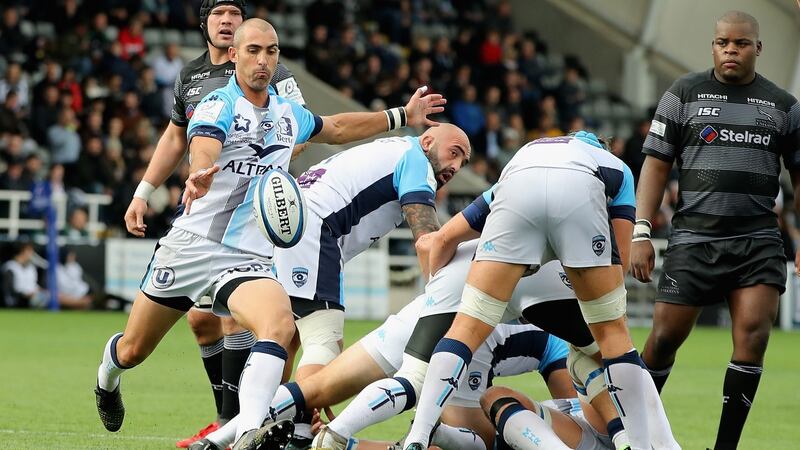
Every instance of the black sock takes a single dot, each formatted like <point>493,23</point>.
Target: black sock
<point>212,361</point>
<point>738,393</point>
<point>234,357</point>
<point>659,376</point>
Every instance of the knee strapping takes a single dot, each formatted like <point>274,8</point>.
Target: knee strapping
<point>320,336</point>
<point>413,370</point>
<point>482,306</point>
<point>610,306</point>
<point>586,374</point>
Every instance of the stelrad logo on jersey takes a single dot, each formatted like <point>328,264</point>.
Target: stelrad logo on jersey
<point>710,134</point>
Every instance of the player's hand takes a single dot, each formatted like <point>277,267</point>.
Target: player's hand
<point>197,185</point>
<point>419,108</point>
<point>643,260</point>
<point>134,217</point>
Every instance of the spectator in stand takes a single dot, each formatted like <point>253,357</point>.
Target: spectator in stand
<point>529,63</point>
<point>45,113</point>
<point>10,115</point>
<point>12,40</point>
<point>152,99</point>
<point>70,83</point>
<point>570,95</point>
<point>318,56</point>
<point>547,128</point>
<point>115,64</point>
<point>33,169</point>
<point>444,60</point>
<point>73,291</point>
<point>17,81</point>
<point>633,155</point>
<point>491,50</point>
<point>93,173</point>
<point>52,76</point>
<point>166,67</point>
<point>132,40</point>
<point>75,230</point>
<point>13,177</point>
<point>488,143</point>
<point>21,280</point>
<point>63,139</point>
<point>467,113</point>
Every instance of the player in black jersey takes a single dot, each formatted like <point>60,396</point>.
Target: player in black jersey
<point>224,345</point>
<point>727,129</point>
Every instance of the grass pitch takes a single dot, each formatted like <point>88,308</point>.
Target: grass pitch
<point>49,364</point>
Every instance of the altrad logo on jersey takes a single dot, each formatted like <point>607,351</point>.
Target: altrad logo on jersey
<point>710,134</point>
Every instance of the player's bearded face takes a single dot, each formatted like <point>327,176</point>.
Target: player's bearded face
<point>446,160</point>
<point>222,23</point>
<point>735,48</point>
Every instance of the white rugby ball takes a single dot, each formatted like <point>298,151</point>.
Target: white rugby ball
<point>279,208</point>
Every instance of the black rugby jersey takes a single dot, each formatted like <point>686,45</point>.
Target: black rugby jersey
<point>727,141</point>
<point>199,77</point>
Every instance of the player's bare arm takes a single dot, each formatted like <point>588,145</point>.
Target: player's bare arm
<point>348,127</point>
<point>205,152</point>
<point>168,154</point>
<point>623,230</point>
<point>439,247</point>
<point>796,185</point>
<point>423,220</point>
<point>650,193</point>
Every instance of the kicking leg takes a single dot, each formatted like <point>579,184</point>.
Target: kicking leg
<point>147,324</point>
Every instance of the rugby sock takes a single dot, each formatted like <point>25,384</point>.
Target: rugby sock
<point>212,361</point>
<point>617,434</point>
<point>288,403</point>
<point>625,385</point>
<point>448,365</point>
<point>523,429</point>
<point>225,435</point>
<point>659,376</point>
<point>260,379</point>
<point>445,436</point>
<point>110,369</point>
<point>376,403</point>
<point>738,393</point>
<point>234,356</point>
<point>660,431</point>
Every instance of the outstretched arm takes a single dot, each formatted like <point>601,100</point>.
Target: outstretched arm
<point>348,127</point>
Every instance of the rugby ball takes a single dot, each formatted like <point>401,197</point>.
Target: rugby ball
<point>279,208</point>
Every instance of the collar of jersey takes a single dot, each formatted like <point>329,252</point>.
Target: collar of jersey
<point>415,143</point>
<point>233,84</point>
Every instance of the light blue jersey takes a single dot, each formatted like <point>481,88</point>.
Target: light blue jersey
<point>254,140</point>
<point>359,193</point>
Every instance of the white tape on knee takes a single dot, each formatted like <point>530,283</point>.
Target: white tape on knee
<point>482,306</point>
<point>413,370</point>
<point>320,334</point>
<point>589,350</point>
<point>608,307</point>
<point>586,374</point>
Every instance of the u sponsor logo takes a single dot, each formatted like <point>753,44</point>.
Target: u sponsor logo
<point>163,277</point>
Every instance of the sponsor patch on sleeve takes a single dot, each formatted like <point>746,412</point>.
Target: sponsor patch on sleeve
<point>208,111</point>
<point>658,128</point>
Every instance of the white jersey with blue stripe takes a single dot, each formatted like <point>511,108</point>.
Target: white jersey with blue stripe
<point>359,192</point>
<point>579,154</point>
<point>254,140</point>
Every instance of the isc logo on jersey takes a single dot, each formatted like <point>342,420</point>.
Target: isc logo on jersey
<point>710,134</point>
<point>279,208</point>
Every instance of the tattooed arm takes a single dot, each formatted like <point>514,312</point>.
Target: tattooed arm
<point>423,220</point>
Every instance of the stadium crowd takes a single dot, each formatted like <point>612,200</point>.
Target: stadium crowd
<point>83,97</point>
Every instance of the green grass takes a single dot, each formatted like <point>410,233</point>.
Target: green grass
<point>49,363</point>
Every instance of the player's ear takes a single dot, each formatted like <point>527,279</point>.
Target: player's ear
<point>759,46</point>
<point>427,142</point>
<point>232,53</point>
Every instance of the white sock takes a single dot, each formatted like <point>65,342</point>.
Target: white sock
<point>260,379</point>
<point>288,403</point>
<point>660,432</point>
<point>523,429</point>
<point>626,387</point>
<point>226,434</point>
<point>110,369</point>
<point>452,438</point>
<point>378,402</point>
<point>446,371</point>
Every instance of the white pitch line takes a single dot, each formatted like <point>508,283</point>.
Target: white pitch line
<point>89,435</point>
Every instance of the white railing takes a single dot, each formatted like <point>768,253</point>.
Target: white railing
<point>15,223</point>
